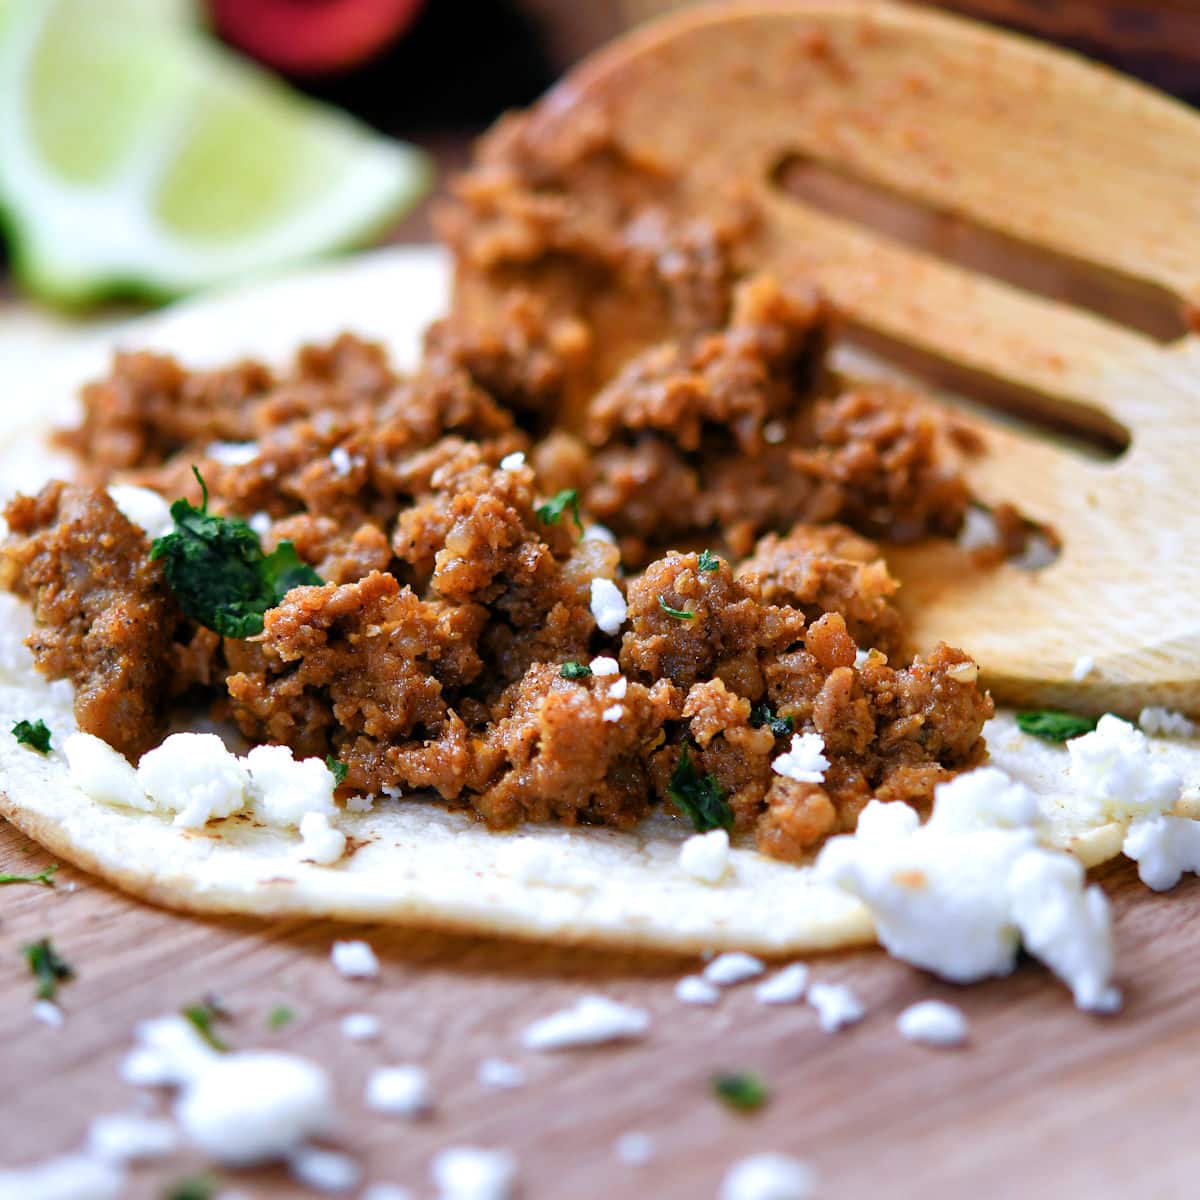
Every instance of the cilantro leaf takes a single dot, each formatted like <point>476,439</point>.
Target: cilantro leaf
<point>551,512</point>
<point>761,714</point>
<point>48,967</point>
<point>708,561</point>
<point>699,797</point>
<point>680,614</point>
<point>740,1090</point>
<point>1054,726</point>
<point>575,670</point>
<point>278,1017</point>
<point>203,1016</point>
<point>218,572</point>
<point>338,769</point>
<point>42,877</point>
<point>193,1187</point>
<point>34,734</point>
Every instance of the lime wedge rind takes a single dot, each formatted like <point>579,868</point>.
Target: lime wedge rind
<point>75,241</point>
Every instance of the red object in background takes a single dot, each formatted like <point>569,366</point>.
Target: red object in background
<point>312,37</point>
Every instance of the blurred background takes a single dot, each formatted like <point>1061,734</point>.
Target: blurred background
<point>432,73</point>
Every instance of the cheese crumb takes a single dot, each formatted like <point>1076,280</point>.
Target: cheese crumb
<point>467,1173</point>
<point>604,665</point>
<point>194,776</point>
<point>837,1006</point>
<point>1085,664</point>
<point>72,1177</point>
<point>590,1021</point>
<point>355,960</point>
<point>769,1177</point>
<point>130,1137</point>
<point>774,432</point>
<point>979,529</point>
<point>804,760</point>
<point>255,1107</point>
<point>343,464</point>
<point>386,1191</point>
<point>232,454</point>
<point>733,967</point>
<point>958,895</point>
<point>143,508</point>
<point>634,1149</point>
<point>608,605</point>
<point>102,774</point>
<point>260,522</point>
<point>360,1027</point>
<point>48,1013</point>
<point>619,689</point>
<point>705,856</point>
<point>1114,771</point>
<point>599,533</point>
<point>400,1091</point>
<point>613,713</point>
<point>933,1023</point>
<point>324,1170</point>
<point>510,462</point>
<point>784,987</point>
<point>1165,722</point>
<point>283,790</point>
<point>169,1051</point>
<point>500,1074</point>
<point>695,989</point>
<point>1163,848</point>
<point>320,842</point>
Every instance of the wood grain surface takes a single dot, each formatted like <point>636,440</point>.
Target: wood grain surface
<point>1043,1101</point>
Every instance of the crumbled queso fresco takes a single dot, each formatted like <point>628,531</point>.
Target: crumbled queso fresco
<point>592,1020</point>
<point>195,777</point>
<point>961,893</point>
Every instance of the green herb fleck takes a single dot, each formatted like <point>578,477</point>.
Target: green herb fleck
<point>42,877</point>
<point>337,768</point>
<point>218,572</point>
<point>551,512</point>
<point>1054,726</point>
<point>33,734</point>
<point>193,1187</point>
<point>278,1017</point>
<point>48,967</point>
<point>741,1090</point>
<point>680,614</point>
<point>575,670</point>
<point>700,797</point>
<point>761,714</point>
<point>708,561</point>
<point>203,1016</point>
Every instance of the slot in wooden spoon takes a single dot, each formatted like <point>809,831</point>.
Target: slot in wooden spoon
<point>1029,142</point>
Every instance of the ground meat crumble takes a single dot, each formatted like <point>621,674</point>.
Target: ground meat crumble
<point>430,661</point>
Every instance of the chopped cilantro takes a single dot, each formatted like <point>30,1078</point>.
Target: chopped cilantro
<point>203,1016</point>
<point>218,572</point>
<point>48,967</point>
<point>680,614</point>
<point>42,877</point>
<point>337,768</point>
<point>761,714</point>
<point>1054,726</point>
<point>193,1187</point>
<point>33,734</point>
<point>278,1017</point>
<point>575,670</point>
<point>740,1089</point>
<point>700,797</point>
<point>551,512</point>
<point>708,561</point>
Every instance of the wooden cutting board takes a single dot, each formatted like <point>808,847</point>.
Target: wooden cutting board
<point>1043,1101</point>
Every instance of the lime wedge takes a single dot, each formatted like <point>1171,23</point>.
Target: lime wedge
<point>139,158</point>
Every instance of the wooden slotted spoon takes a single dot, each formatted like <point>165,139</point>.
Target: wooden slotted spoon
<point>1018,139</point>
